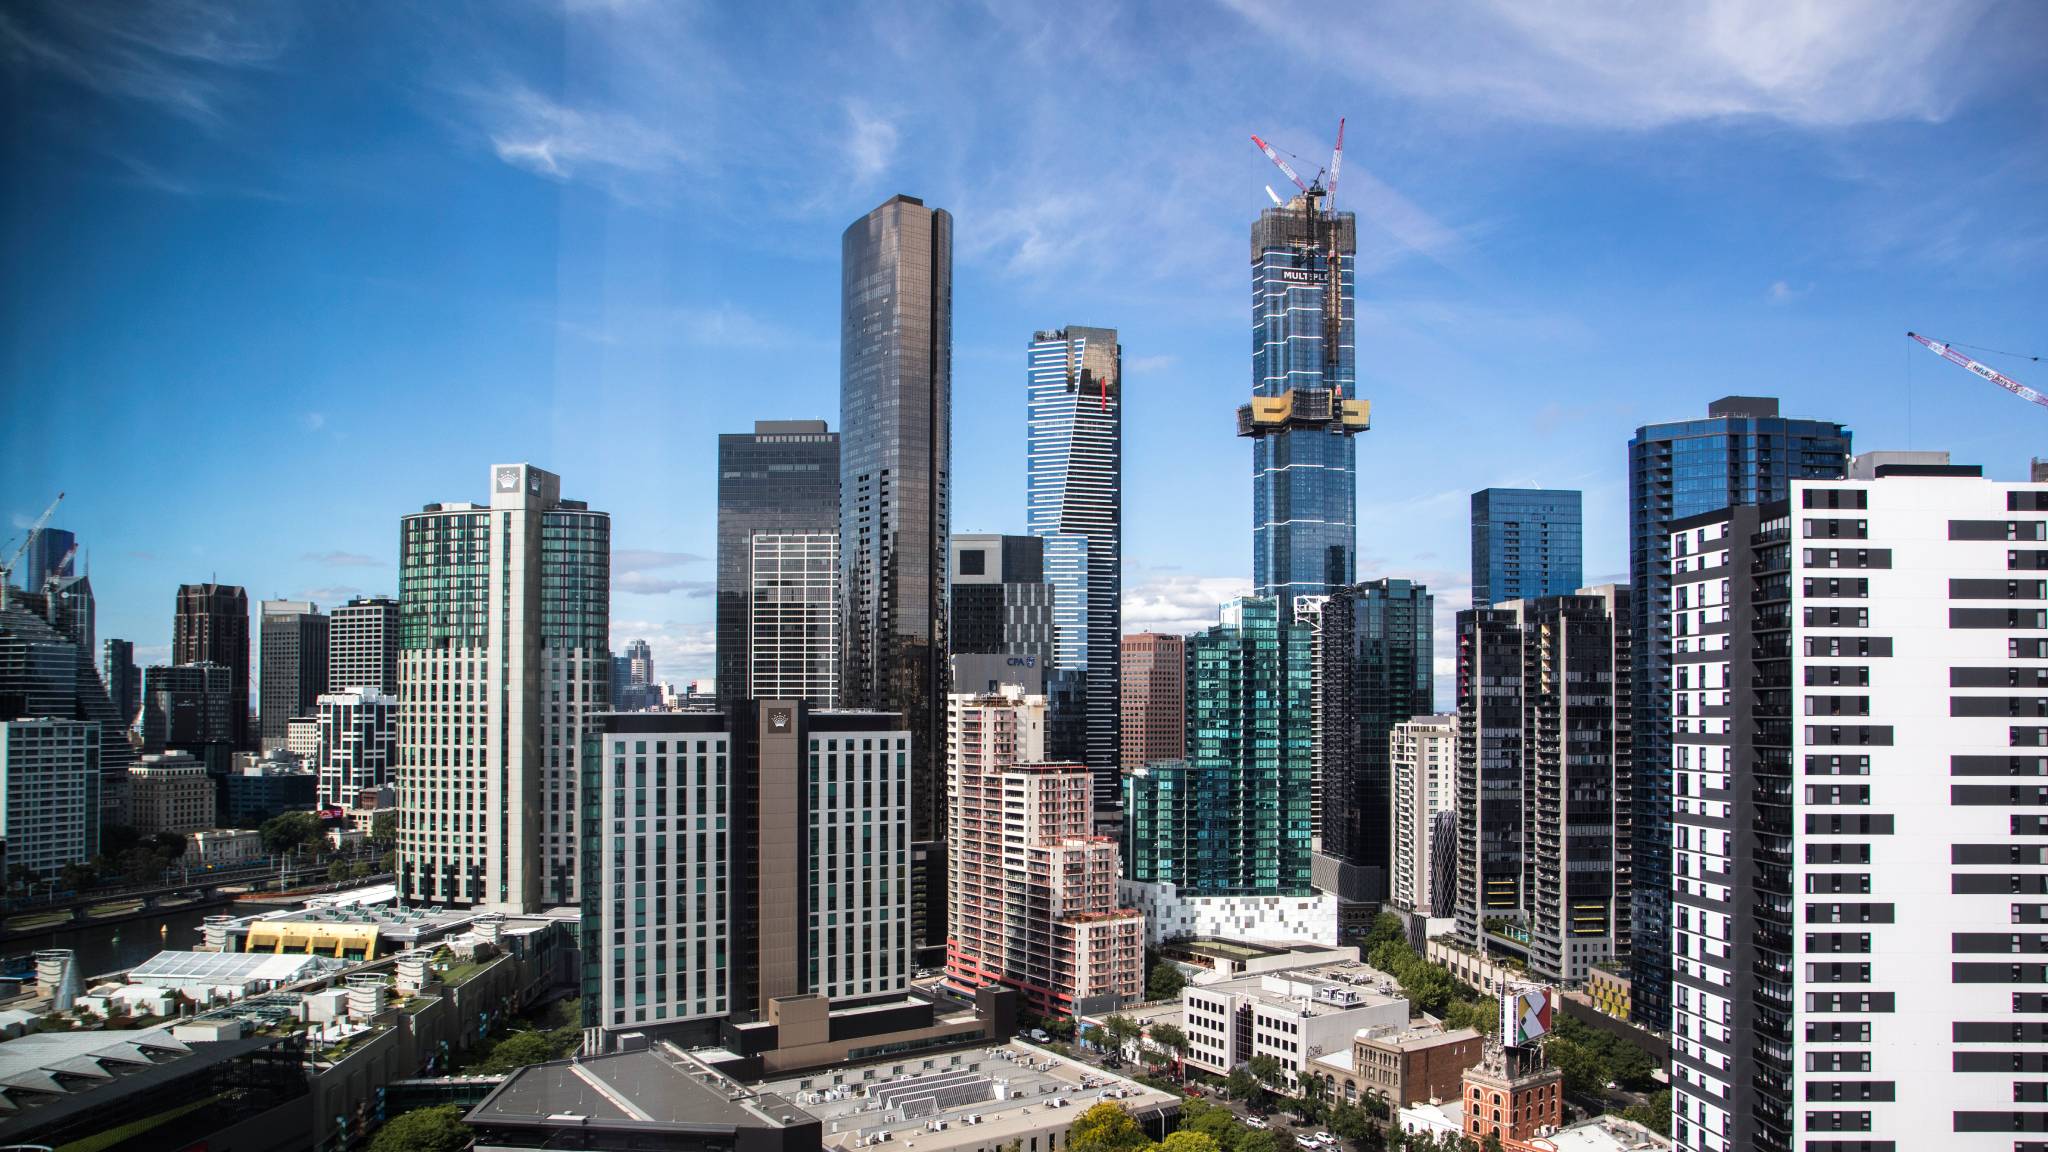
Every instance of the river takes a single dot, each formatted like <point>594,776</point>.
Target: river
<point>104,948</point>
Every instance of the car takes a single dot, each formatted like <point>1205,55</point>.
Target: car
<point>1255,1122</point>
<point>1039,1035</point>
<point>1306,1144</point>
<point>1325,1139</point>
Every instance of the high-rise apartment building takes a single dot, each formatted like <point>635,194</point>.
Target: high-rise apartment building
<point>1526,543</point>
<point>1858,685</point>
<point>362,645</point>
<point>504,619</point>
<point>778,842</point>
<point>1304,409</point>
<point>1154,698</point>
<point>1423,753</point>
<point>49,793</point>
<point>122,679</point>
<point>1032,899</point>
<point>1543,778</point>
<point>1742,453</point>
<point>783,477</point>
<point>896,444</point>
<point>1073,455</point>
<point>793,618</point>
<point>293,674</point>
<point>358,745</point>
<point>212,627</point>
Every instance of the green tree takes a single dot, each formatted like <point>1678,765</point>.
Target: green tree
<point>1269,1073</point>
<point>337,871</point>
<point>1655,1114</point>
<point>519,1050</point>
<point>1121,1028</point>
<point>1106,1127</point>
<point>1241,1084</point>
<point>1186,1141</point>
<point>1171,1039</point>
<point>1584,1072</point>
<point>1350,1123</point>
<point>1385,927</point>
<point>289,831</point>
<point>1165,982</point>
<point>1491,1143</point>
<point>1254,1140</point>
<point>1094,1036</point>
<point>423,1130</point>
<point>1215,1123</point>
<point>384,829</point>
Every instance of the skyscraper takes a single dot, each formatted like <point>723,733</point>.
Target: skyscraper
<point>504,618</point>
<point>1304,411</point>
<point>1154,698</point>
<point>1424,752</point>
<point>123,680</point>
<point>362,645</point>
<point>49,553</point>
<point>190,708</point>
<point>793,618</point>
<point>1544,817</point>
<point>358,743</point>
<point>46,669</point>
<point>212,626</point>
<point>1742,453</point>
<point>1073,457</point>
<point>1526,542</point>
<point>293,673</point>
<point>781,477</point>
<point>896,442</point>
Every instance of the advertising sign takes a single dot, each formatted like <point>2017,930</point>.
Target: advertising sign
<point>1524,1015</point>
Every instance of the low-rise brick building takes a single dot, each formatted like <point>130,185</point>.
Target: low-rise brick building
<point>1401,1065</point>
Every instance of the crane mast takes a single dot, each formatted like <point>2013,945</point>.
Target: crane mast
<point>1948,353</point>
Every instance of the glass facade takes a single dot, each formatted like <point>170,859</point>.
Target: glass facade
<point>1074,499</point>
<point>1742,453</point>
<point>213,625</point>
<point>1304,462</point>
<point>1526,542</point>
<point>781,477</point>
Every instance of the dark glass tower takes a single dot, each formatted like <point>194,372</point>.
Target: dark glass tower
<point>212,626</point>
<point>781,477</point>
<point>1304,410</point>
<point>1526,542</point>
<point>293,674</point>
<point>896,435</point>
<point>1742,453</point>
<point>122,677</point>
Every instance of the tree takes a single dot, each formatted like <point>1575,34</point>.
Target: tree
<point>1386,927</point>
<point>1122,1030</point>
<point>519,1050</point>
<point>1655,1114</point>
<point>1491,1143</point>
<point>437,1129</point>
<point>1269,1074</point>
<point>1253,1140</point>
<point>1094,1036</point>
<point>1241,1084</point>
<point>384,829</point>
<point>1215,1123</point>
<point>1186,1141</point>
<point>337,871</point>
<point>1584,1072</point>
<point>1170,1038</point>
<point>1106,1127</point>
<point>289,831</point>
<point>1165,982</point>
<point>1349,1123</point>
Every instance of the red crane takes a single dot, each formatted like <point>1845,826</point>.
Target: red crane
<point>1948,353</point>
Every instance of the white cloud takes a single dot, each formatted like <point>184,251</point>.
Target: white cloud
<point>1783,293</point>
<point>313,421</point>
<point>179,56</point>
<point>870,143</point>
<point>333,594</point>
<point>1172,602</point>
<point>1598,63</point>
<point>338,559</point>
<point>682,650</point>
<point>556,139</point>
<point>646,585</point>
<point>652,558</point>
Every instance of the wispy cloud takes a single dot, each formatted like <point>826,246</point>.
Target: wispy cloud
<point>683,650</point>
<point>1594,63</point>
<point>633,570</point>
<point>1781,292</point>
<point>342,559</point>
<point>652,558</point>
<point>179,56</point>
<point>553,138</point>
<point>1177,602</point>
<point>1149,365</point>
<point>645,584</point>
<point>870,141</point>
<point>331,594</point>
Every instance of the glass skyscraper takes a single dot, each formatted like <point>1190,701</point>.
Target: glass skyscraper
<point>1526,542</point>
<point>782,477</point>
<point>1742,453</point>
<point>1074,500</point>
<point>896,443</point>
<point>1304,410</point>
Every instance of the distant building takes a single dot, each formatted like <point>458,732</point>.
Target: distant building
<point>261,787</point>
<point>1424,754</point>
<point>212,626</point>
<point>362,645</point>
<point>1293,1017</point>
<point>223,847</point>
<point>1526,543</point>
<point>46,670</point>
<point>293,673</point>
<point>1513,1097</point>
<point>1400,1064</point>
<point>49,553</point>
<point>358,744</point>
<point>302,738</point>
<point>190,708</point>
<point>123,680</point>
<point>793,618</point>
<point>1154,698</point>
<point>781,477</point>
<point>49,794</point>
<point>633,687</point>
<point>170,792</point>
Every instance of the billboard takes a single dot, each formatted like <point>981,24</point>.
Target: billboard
<point>1524,1015</point>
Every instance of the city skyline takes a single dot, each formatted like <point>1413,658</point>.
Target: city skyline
<point>1501,290</point>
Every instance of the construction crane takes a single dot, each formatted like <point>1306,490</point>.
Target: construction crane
<point>56,570</point>
<point>1321,243</point>
<point>1948,353</point>
<point>27,542</point>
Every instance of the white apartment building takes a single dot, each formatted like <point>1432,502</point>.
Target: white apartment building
<point>49,792</point>
<point>793,617</point>
<point>504,658</point>
<point>362,644</point>
<point>358,744</point>
<point>1424,758</point>
<point>1293,1017</point>
<point>1860,751</point>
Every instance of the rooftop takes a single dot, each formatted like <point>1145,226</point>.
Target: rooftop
<point>229,968</point>
<point>1314,991</point>
<point>657,1088</point>
<point>1607,1134</point>
<point>1411,1039</point>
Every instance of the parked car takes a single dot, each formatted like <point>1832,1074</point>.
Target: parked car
<point>1255,1122</point>
<point>1325,1139</point>
<point>1307,1145</point>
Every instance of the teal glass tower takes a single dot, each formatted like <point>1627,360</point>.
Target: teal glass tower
<point>1234,818</point>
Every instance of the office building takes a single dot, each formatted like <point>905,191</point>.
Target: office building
<point>293,674</point>
<point>50,552</point>
<point>123,681</point>
<point>212,627</point>
<point>49,794</point>
<point>1744,452</point>
<point>504,620</point>
<point>1292,1016</point>
<point>781,477</point>
<point>778,841</point>
<point>190,708</point>
<point>1858,686</point>
<point>362,645</point>
<point>1031,890</point>
<point>633,689</point>
<point>1424,757</point>
<point>1219,844</point>
<point>1001,601</point>
<point>170,792</point>
<point>259,787</point>
<point>1543,778</point>
<point>1400,1064</point>
<point>1372,666</point>
<point>1526,543</point>
<point>1154,691</point>
<point>793,617</point>
<point>1073,457</point>
<point>1304,408</point>
<point>896,444</point>
<point>358,744</point>
<point>46,670</point>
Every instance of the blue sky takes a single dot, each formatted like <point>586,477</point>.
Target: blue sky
<point>276,275</point>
